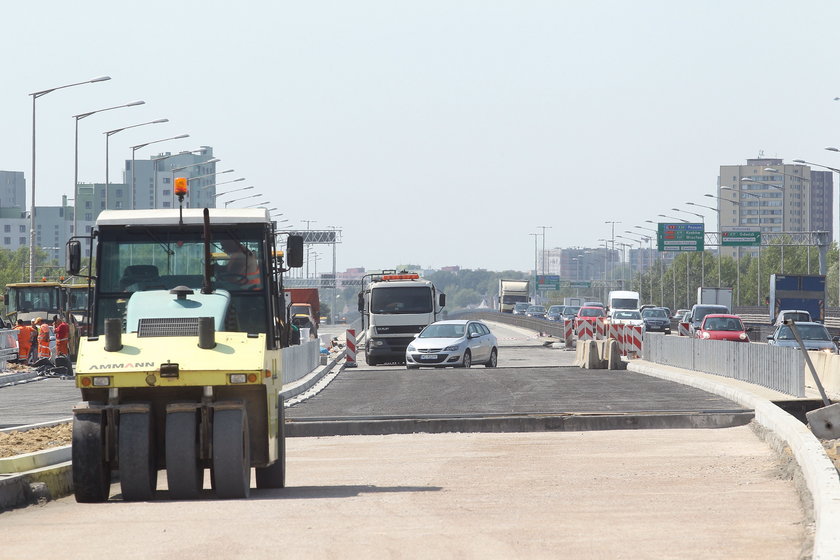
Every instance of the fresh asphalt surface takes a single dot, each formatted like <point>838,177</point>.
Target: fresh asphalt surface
<point>531,379</point>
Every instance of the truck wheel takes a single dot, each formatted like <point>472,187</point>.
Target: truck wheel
<point>231,454</point>
<point>274,476</point>
<point>494,359</point>
<point>184,474</point>
<point>138,466</point>
<point>91,473</point>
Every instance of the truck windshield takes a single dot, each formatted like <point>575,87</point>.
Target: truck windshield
<point>34,298</point>
<point>399,300</point>
<point>77,298</point>
<point>137,259</point>
<point>514,299</point>
<point>620,303</point>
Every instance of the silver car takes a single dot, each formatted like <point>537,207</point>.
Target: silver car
<point>814,335</point>
<point>453,344</point>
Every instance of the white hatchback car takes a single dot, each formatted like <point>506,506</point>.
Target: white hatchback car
<point>457,343</point>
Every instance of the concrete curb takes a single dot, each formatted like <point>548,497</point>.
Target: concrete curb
<point>36,486</point>
<point>304,384</point>
<point>819,472</point>
<point>14,378</point>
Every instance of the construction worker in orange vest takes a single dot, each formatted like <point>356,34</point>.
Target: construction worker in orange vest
<point>24,340</point>
<point>62,336</point>
<point>43,338</point>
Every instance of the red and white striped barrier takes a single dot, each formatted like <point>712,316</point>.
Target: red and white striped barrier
<point>350,349</point>
<point>600,328</point>
<point>568,332</point>
<point>632,347</point>
<point>682,329</point>
<point>616,332</point>
<point>585,329</point>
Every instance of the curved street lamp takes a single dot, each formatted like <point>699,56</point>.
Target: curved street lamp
<point>35,95</point>
<point>137,147</point>
<point>79,117</point>
<point>108,134</point>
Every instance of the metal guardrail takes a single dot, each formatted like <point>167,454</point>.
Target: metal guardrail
<point>8,347</point>
<point>553,328</point>
<point>777,368</point>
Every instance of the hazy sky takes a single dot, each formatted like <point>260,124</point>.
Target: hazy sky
<point>431,132</point>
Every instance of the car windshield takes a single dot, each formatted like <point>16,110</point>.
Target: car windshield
<point>555,309</point>
<point>570,310</point>
<point>521,306</point>
<point>723,324</point>
<point>796,317</point>
<point>443,331</point>
<point>807,332</point>
<point>591,312</point>
<point>627,315</point>
<point>536,309</point>
<point>655,313</point>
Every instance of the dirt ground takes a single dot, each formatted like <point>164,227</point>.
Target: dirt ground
<point>38,439</point>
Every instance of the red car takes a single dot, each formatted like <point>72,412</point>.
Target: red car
<point>589,312</point>
<point>718,326</point>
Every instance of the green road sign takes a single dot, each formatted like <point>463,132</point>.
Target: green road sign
<point>740,238</point>
<point>580,284</point>
<point>548,282</point>
<point>680,237</point>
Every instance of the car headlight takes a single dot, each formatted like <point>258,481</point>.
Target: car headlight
<point>828,350</point>
<point>453,348</point>
<point>706,335</point>
<point>743,336</point>
<point>411,348</point>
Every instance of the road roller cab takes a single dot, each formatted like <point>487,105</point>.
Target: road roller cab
<point>181,369</point>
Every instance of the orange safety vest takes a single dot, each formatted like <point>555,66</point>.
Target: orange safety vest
<point>24,341</point>
<point>44,341</point>
<point>62,337</point>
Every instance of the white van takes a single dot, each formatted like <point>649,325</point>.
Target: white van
<point>623,299</point>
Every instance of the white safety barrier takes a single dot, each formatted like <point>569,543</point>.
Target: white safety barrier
<point>350,349</point>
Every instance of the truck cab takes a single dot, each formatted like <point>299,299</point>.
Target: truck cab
<point>395,308</point>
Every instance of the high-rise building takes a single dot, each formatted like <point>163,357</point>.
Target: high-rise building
<point>768,195</point>
<point>12,189</point>
<point>153,179</point>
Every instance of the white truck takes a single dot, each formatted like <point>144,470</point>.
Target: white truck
<point>573,301</point>
<point>395,307</point>
<point>715,296</point>
<point>512,292</point>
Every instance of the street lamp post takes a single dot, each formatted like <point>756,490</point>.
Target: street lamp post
<point>659,261</point>
<point>35,95</point>
<point>229,202</point>
<point>108,134</point>
<point>258,204</point>
<point>720,235</point>
<point>758,273</point>
<point>612,238</point>
<point>79,117</point>
<point>535,235</point>
<point>218,194</point>
<point>143,145</point>
<point>543,228</point>
<point>703,252</point>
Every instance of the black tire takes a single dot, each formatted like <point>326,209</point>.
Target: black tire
<point>91,472</point>
<point>231,454</point>
<point>371,361</point>
<point>138,465</point>
<point>274,476</point>
<point>184,474</point>
<point>494,359</point>
<point>467,361</point>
